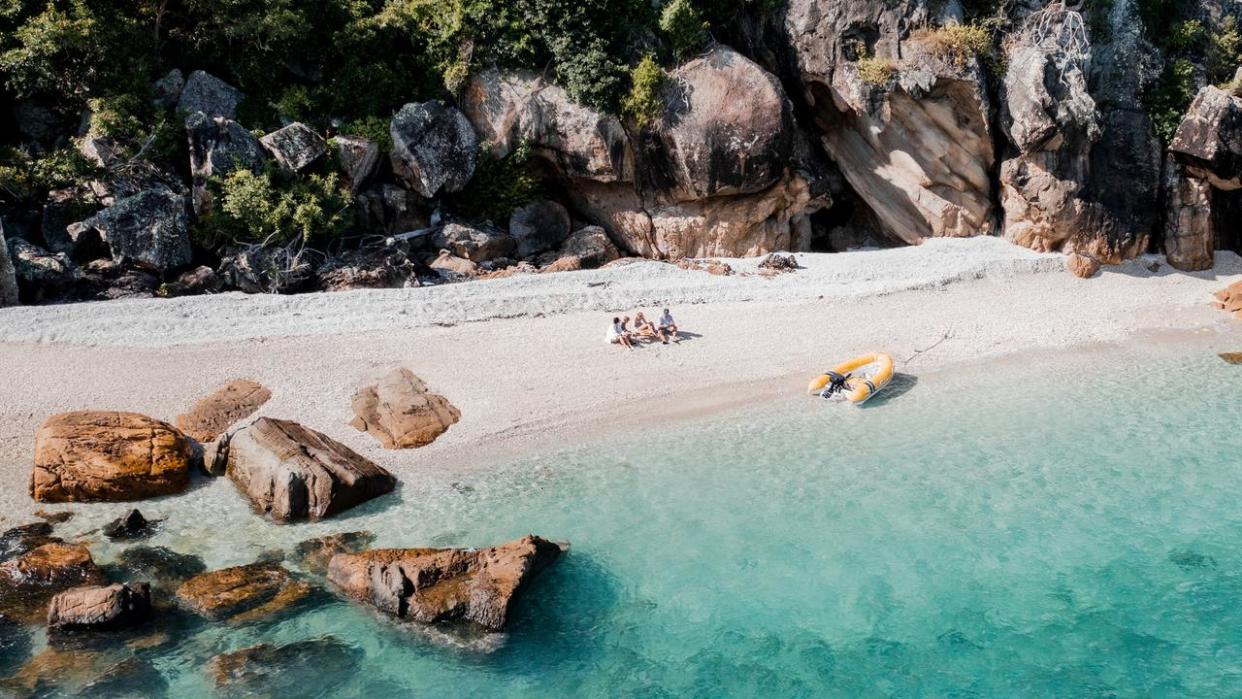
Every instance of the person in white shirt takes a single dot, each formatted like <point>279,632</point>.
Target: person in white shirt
<point>618,335</point>
<point>668,327</point>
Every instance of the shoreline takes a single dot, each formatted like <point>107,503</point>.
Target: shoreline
<point>545,379</point>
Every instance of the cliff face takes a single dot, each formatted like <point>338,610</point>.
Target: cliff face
<point>821,124</point>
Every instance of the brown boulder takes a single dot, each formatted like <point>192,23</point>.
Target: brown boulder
<point>111,606</point>
<point>401,413</point>
<point>28,581</point>
<point>94,456</point>
<point>211,416</point>
<point>441,585</point>
<point>1082,266</point>
<point>1231,357</point>
<point>242,593</point>
<point>290,472</point>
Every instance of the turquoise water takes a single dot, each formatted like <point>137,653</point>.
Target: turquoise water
<point>1068,526</point>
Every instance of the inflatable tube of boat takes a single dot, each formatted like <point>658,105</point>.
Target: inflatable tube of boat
<point>868,374</point>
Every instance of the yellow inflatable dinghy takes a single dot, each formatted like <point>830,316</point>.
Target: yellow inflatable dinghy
<point>856,380</point>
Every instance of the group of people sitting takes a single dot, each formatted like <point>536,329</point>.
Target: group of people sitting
<point>619,333</point>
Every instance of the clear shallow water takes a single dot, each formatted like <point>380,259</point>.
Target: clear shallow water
<point>1064,528</point>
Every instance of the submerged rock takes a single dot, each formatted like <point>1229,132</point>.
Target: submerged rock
<point>293,473</point>
<point>313,554</point>
<point>243,593</point>
<point>162,566</point>
<point>101,456</point>
<point>211,417</point>
<point>131,525</point>
<point>444,585</point>
<point>434,148</point>
<point>401,413</point>
<point>28,581</point>
<point>287,670</point>
<point>28,537</point>
<point>99,607</point>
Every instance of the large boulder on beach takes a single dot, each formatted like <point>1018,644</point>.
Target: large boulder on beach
<point>204,92</point>
<point>1189,236</point>
<point>477,586</point>
<point>8,275</point>
<point>39,269</point>
<point>100,607</point>
<point>588,247</point>
<point>243,593</point>
<point>151,228</point>
<point>295,147</point>
<point>292,473</point>
<point>401,412</point>
<point>210,417</point>
<point>477,243</point>
<point>434,148</point>
<point>268,670</point>
<point>538,227</point>
<point>104,456</point>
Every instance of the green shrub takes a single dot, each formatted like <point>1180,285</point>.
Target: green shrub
<point>876,71</point>
<point>375,128</point>
<point>643,104</point>
<point>957,44</point>
<point>499,185</point>
<point>271,208</point>
<point>684,27</point>
<point>1224,51</point>
<point>26,177</point>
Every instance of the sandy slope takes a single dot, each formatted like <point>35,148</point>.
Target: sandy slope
<point>538,370</point>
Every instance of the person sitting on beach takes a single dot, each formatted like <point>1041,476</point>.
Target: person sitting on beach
<point>647,329</point>
<point>668,327</point>
<point>618,335</point>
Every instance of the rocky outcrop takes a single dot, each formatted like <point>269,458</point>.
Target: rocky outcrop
<point>268,670</point>
<point>100,456</point>
<point>28,581</point>
<point>151,228</point>
<point>100,607</point>
<point>1208,142</point>
<point>434,148</point>
<point>357,158</point>
<point>401,413</point>
<point>1051,118</point>
<point>444,585</point>
<point>538,227</point>
<point>511,108</point>
<point>295,147</point>
<point>367,268</point>
<point>474,243</point>
<point>243,593</point>
<point>204,92</point>
<point>293,473</point>
<point>916,147</point>
<point>1188,238</point>
<point>8,276</point>
<point>210,417</point>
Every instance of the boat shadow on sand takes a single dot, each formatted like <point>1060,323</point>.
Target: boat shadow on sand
<point>900,385</point>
